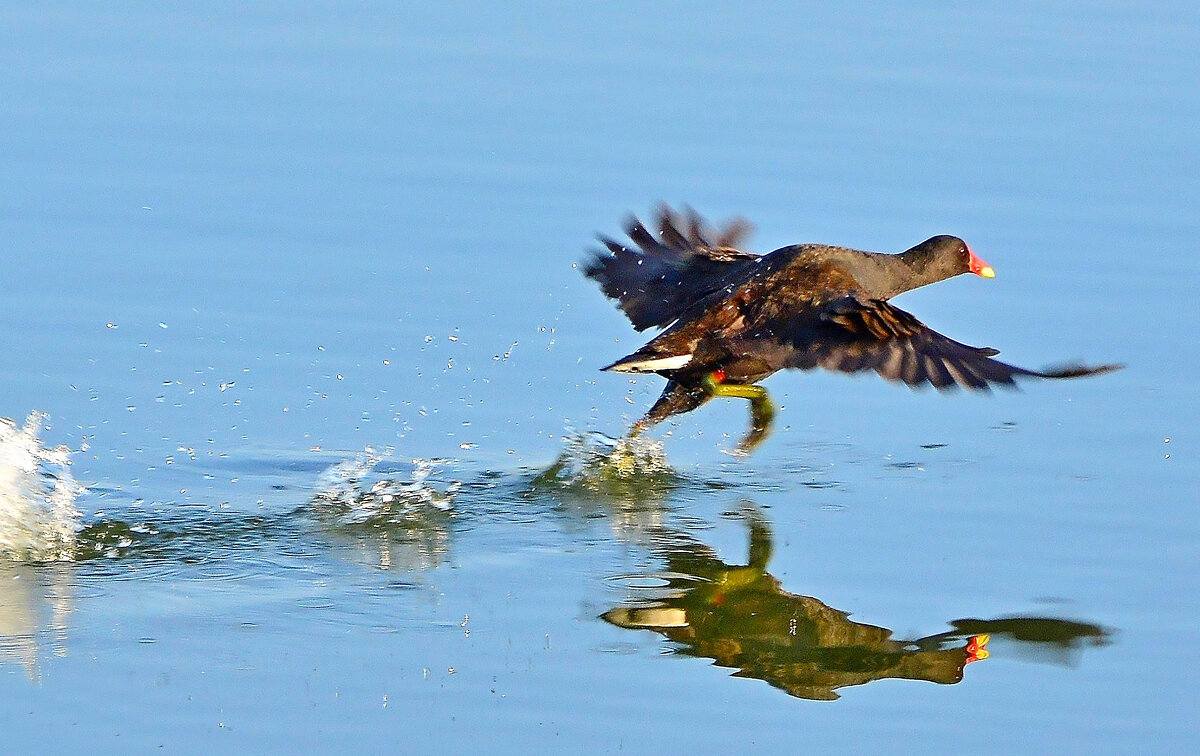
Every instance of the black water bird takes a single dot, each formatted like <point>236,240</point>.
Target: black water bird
<point>733,318</point>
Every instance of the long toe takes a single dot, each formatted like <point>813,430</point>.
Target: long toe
<point>762,415</point>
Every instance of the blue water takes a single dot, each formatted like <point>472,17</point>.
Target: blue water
<point>244,245</point>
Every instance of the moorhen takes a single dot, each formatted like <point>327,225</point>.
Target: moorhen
<point>732,318</point>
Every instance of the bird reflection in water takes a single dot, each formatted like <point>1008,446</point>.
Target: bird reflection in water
<point>741,618</point>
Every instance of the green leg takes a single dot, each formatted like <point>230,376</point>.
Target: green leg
<point>676,399</point>
<point>761,409</point>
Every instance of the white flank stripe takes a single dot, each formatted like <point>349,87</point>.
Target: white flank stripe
<point>651,366</point>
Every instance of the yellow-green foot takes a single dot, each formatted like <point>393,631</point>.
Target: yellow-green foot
<point>762,412</point>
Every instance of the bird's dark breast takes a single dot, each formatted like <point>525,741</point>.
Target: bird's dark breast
<point>743,357</point>
<point>748,369</point>
<point>738,368</point>
<point>737,333</point>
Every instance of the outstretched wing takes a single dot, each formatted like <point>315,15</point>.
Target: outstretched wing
<point>854,334</point>
<point>667,272</point>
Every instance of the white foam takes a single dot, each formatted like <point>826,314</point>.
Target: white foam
<point>593,459</point>
<point>38,518</point>
<point>355,487</point>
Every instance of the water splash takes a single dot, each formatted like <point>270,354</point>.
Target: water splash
<point>385,522</point>
<point>348,488</point>
<point>596,462</point>
<point>38,518</point>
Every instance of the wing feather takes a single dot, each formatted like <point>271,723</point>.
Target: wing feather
<point>661,275</point>
<point>855,334</point>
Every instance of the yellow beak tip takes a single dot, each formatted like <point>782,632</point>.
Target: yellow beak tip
<point>987,272</point>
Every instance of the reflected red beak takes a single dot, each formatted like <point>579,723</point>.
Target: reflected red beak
<point>975,648</point>
<point>979,267</point>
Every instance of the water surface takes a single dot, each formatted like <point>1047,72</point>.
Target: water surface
<point>297,288</point>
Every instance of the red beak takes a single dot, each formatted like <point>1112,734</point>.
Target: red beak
<point>979,267</point>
